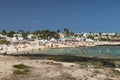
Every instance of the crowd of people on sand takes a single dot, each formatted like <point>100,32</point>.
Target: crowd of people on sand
<point>33,46</point>
<point>36,46</point>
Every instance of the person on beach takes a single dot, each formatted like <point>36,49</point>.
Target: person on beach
<point>16,49</point>
<point>39,49</point>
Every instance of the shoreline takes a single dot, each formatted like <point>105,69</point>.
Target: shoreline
<point>35,54</point>
<point>108,62</point>
<point>35,49</point>
<point>104,43</point>
<point>26,48</point>
<point>17,49</point>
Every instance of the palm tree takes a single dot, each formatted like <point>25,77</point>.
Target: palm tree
<point>75,35</point>
<point>116,34</point>
<point>24,34</point>
<point>10,34</point>
<point>71,33</point>
<point>100,34</point>
<point>4,32</point>
<point>46,33</point>
<point>66,32</point>
<point>58,31</point>
<point>21,31</point>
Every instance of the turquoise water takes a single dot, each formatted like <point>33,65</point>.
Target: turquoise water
<point>96,51</point>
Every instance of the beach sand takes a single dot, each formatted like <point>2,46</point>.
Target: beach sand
<point>27,48</point>
<point>52,70</point>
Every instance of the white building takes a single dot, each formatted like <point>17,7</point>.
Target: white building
<point>3,36</point>
<point>17,37</point>
<point>30,36</point>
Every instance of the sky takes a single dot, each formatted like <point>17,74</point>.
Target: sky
<point>76,15</point>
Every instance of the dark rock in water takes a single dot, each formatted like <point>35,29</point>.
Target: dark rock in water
<point>106,62</point>
<point>108,45</point>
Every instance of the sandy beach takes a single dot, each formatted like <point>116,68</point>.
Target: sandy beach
<point>27,48</point>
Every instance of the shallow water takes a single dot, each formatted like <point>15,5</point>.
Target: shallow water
<point>96,51</point>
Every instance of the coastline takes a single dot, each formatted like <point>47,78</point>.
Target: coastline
<point>107,61</point>
<point>45,69</point>
<point>27,48</point>
<point>104,43</point>
<point>64,67</point>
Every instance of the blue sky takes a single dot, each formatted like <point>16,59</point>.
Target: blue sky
<point>76,15</point>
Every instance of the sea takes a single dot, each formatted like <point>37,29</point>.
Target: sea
<point>94,51</point>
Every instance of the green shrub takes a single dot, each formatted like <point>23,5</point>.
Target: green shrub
<point>18,71</point>
<point>20,66</point>
<point>97,65</point>
<point>3,41</point>
<point>21,69</point>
